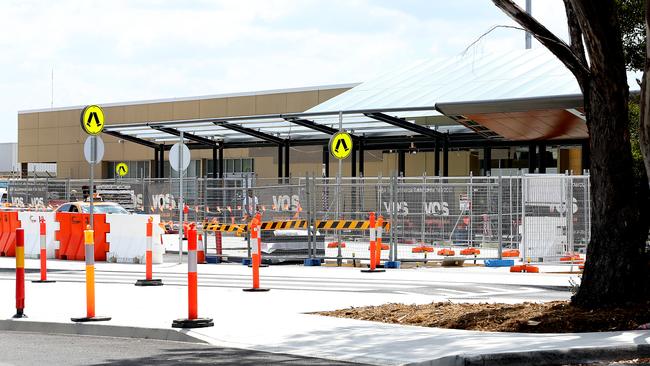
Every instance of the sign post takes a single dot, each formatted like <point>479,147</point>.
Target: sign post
<point>179,159</point>
<point>92,122</point>
<point>340,147</point>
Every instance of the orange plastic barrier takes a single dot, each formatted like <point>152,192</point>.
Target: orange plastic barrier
<point>422,249</point>
<point>470,251</point>
<point>71,235</point>
<point>575,258</point>
<point>510,253</point>
<point>446,252</point>
<point>10,223</point>
<point>524,268</point>
<point>335,244</point>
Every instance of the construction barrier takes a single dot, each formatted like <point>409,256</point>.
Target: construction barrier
<point>31,222</point>
<point>71,235</point>
<point>20,273</point>
<point>89,253</point>
<point>525,268</point>
<point>127,247</point>
<point>43,248</point>
<point>446,252</point>
<point>9,223</point>
<point>256,255</point>
<point>294,224</point>
<point>373,243</point>
<point>192,321</point>
<point>149,281</point>
<point>470,251</point>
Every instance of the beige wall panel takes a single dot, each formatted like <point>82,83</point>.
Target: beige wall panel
<point>136,113</point>
<point>236,153</point>
<point>48,153</point>
<point>160,112</point>
<point>575,160</point>
<point>241,106</point>
<point>71,135</point>
<point>300,102</point>
<point>213,108</point>
<point>271,103</point>
<point>114,115</point>
<point>71,118</point>
<point>68,169</point>
<point>186,110</point>
<point>28,120</point>
<point>136,152</point>
<point>71,152</point>
<point>27,154</point>
<point>266,167</point>
<point>458,163</point>
<point>114,151</point>
<point>48,119</point>
<point>48,136</point>
<point>27,137</point>
<point>324,95</point>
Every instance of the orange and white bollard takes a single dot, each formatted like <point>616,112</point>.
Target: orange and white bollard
<point>192,321</point>
<point>373,246</point>
<point>378,243</point>
<point>200,255</point>
<point>43,255</point>
<point>89,240</point>
<point>20,273</point>
<point>149,280</point>
<point>256,255</point>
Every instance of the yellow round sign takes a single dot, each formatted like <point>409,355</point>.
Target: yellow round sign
<point>122,169</point>
<point>341,145</point>
<point>92,120</point>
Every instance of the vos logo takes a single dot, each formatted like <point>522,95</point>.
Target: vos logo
<point>285,202</point>
<point>163,201</point>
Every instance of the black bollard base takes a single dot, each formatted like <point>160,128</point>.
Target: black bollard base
<point>43,281</point>
<point>152,282</point>
<point>19,314</point>
<point>91,319</point>
<point>193,323</point>
<point>256,289</point>
<point>372,270</point>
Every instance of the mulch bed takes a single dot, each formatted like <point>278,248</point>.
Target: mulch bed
<point>550,317</point>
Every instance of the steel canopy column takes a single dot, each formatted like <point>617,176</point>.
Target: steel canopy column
<point>161,162</point>
<point>361,159</point>
<point>586,155</point>
<point>532,159</point>
<point>326,161</point>
<point>436,166</point>
<point>287,148</point>
<point>401,163</point>
<point>279,161</point>
<point>215,162</point>
<point>541,158</point>
<point>154,168</point>
<point>445,157</point>
<point>487,160</point>
<point>220,161</point>
<point>353,162</point>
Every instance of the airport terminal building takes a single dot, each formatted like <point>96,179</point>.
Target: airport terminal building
<point>468,115</point>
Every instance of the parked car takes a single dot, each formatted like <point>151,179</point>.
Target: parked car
<point>99,207</point>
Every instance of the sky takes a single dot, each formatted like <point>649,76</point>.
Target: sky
<point>67,53</point>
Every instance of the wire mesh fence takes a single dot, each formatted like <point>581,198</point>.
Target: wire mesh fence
<point>545,217</point>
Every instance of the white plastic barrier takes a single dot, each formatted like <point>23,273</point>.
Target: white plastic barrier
<point>127,238</point>
<point>30,221</point>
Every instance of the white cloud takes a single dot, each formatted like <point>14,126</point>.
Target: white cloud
<point>109,51</point>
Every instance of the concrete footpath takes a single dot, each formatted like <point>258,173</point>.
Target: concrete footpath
<point>278,321</point>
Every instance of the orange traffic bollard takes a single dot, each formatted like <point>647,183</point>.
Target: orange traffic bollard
<point>149,280</point>
<point>20,274</point>
<point>192,321</point>
<point>89,240</point>
<point>200,255</point>
<point>373,246</point>
<point>378,243</point>
<point>258,217</point>
<point>256,255</point>
<point>43,255</point>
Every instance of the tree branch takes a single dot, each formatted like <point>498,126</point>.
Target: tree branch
<point>560,49</point>
<point>575,32</point>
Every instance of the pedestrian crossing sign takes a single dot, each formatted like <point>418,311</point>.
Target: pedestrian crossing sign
<point>122,169</point>
<point>341,145</point>
<point>92,120</point>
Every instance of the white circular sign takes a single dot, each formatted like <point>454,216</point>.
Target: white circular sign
<point>93,149</point>
<point>179,157</point>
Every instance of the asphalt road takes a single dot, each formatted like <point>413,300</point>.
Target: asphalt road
<point>32,349</point>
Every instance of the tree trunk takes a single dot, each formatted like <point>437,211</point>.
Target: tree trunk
<point>616,270</point>
<point>644,124</point>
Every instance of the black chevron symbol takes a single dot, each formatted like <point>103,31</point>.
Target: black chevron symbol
<point>339,143</point>
<point>93,115</point>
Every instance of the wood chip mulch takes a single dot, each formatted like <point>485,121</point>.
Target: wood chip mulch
<point>550,317</point>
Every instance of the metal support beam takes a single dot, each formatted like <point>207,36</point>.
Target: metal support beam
<point>154,169</point>
<point>215,162</point>
<point>401,163</point>
<point>436,157</point>
<point>186,135</point>
<point>132,139</point>
<point>445,156</point>
<point>541,158</point>
<point>362,161</point>
<point>532,157</point>
<point>221,171</point>
<point>353,161</point>
<point>249,131</point>
<point>280,154</point>
<point>326,161</point>
<point>487,160</point>
<point>402,123</point>
<point>287,157</point>
<point>161,161</point>
<point>313,125</point>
